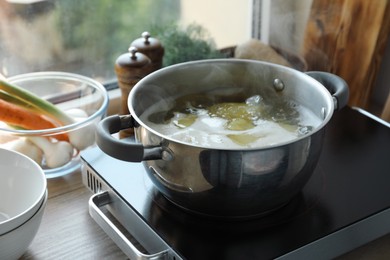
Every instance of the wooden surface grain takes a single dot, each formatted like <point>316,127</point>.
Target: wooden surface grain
<point>67,230</point>
<point>348,38</point>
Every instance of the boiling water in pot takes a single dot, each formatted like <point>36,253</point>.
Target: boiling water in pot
<point>251,123</point>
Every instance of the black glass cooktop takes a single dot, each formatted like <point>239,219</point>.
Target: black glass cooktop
<point>345,204</point>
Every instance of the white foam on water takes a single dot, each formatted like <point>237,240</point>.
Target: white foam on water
<point>208,131</point>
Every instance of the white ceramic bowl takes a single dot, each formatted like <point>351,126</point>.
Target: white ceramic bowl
<point>84,99</point>
<point>15,243</point>
<point>22,189</point>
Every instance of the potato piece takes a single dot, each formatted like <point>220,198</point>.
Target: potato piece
<point>184,120</point>
<point>239,124</point>
<point>289,127</point>
<point>243,139</point>
<point>231,111</point>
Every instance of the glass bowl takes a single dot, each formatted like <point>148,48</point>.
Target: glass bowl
<point>83,98</point>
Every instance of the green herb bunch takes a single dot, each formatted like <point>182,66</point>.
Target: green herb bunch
<point>188,44</point>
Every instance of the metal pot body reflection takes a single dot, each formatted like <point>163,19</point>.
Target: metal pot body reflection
<point>234,183</point>
<point>229,182</point>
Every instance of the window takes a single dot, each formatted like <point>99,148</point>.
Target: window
<point>86,36</point>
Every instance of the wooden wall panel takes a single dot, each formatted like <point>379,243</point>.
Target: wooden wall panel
<point>348,38</point>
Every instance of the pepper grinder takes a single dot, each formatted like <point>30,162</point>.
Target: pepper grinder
<point>152,48</point>
<point>130,68</point>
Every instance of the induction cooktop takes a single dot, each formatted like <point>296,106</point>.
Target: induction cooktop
<point>345,204</point>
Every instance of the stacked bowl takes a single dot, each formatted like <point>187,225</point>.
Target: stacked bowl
<point>23,197</point>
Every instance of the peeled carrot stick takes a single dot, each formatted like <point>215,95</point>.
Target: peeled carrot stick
<point>15,115</point>
<point>21,117</point>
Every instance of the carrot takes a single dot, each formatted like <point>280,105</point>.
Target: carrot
<point>23,118</point>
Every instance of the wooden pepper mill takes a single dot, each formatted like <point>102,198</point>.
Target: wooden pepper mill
<point>130,68</point>
<point>152,48</point>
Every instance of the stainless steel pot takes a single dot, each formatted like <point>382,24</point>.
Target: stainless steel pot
<point>227,183</point>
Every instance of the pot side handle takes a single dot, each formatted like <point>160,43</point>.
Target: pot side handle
<point>120,149</point>
<point>336,86</point>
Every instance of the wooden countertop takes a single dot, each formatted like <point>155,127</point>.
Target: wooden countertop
<point>68,232</point>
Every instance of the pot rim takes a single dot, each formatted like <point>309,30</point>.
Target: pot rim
<point>318,86</point>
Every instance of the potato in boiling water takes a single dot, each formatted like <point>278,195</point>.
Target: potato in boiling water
<point>231,122</point>
<point>184,120</point>
<point>239,124</point>
<point>242,139</point>
<point>231,111</point>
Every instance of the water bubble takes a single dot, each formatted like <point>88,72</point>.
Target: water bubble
<point>304,129</point>
<point>254,100</point>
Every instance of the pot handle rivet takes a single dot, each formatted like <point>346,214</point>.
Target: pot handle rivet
<point>278,84</point>
<point>167,155</point>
